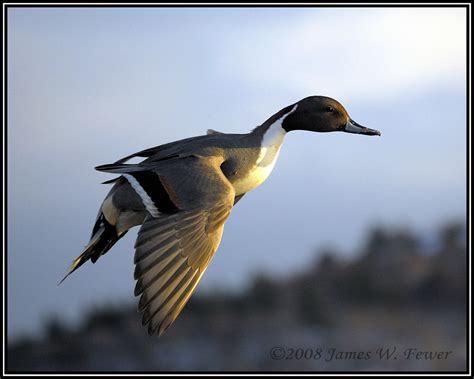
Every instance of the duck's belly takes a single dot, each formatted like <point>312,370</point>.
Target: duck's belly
<point>256,175</point>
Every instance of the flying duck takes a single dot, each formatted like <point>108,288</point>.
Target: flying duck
<point>182,193</point>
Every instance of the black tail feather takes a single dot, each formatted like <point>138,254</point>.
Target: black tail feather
<point>104,236</point>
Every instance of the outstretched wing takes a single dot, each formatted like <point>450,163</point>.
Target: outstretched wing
<point>174,249</point>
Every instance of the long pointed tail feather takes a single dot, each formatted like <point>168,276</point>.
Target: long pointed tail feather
<point>103,238</point>
<point>86,254</point>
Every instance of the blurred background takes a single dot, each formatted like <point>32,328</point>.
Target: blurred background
<point>353,243</point>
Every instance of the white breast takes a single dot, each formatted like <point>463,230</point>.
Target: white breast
<point>270,148</point>
<point>259,172</point>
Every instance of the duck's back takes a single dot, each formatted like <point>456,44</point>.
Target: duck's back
<point>209,144</point>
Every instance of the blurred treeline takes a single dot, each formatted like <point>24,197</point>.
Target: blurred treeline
<point>398,291</point>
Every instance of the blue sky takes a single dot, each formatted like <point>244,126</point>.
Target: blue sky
<point>88,86</point>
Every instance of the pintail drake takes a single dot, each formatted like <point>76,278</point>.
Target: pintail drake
<point>182,193</point>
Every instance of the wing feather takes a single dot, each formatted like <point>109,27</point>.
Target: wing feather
<point>174,250</point>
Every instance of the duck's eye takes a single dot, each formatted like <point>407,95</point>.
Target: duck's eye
<point>329,108</point>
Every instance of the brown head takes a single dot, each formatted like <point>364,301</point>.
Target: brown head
<point>321,114</point>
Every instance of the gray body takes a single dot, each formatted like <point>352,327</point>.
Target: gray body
<point>239,153</point>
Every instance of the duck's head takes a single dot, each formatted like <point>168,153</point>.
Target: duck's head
<point>321,114</point>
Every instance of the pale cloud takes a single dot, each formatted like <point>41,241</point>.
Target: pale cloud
<point>358,53</point>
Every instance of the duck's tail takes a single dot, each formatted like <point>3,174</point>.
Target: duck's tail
<point>103,238</point>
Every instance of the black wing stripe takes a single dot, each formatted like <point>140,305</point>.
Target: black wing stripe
<point>151,184</point>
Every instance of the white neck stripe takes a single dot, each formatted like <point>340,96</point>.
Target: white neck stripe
<point>276,131</point>
<point>272,140</point>
<point>279,122</point>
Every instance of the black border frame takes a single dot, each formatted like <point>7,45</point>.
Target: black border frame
<point>6,6</point>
